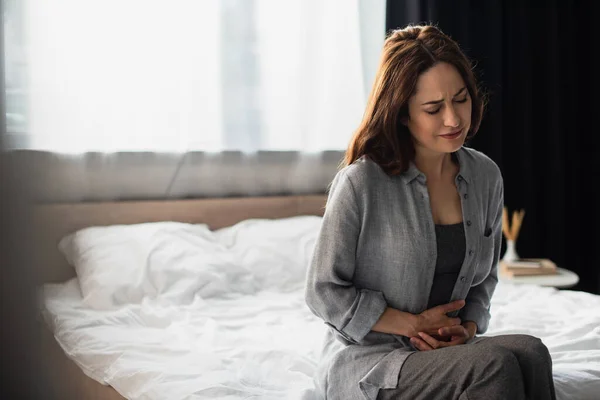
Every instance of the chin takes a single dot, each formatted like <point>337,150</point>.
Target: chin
<point>451,147</point>
<point>443,148</point>
<point>456,144</point>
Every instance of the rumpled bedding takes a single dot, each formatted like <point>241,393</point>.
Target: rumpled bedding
<point>176,311</point>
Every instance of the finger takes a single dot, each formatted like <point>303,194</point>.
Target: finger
<point>440,337</point>
<point>429,340</point>
<point>420,344</point>
<point>456,330</point>
<point>455,305</point>
<point>456,342</point>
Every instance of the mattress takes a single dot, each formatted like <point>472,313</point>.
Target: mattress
<point>265,343</point>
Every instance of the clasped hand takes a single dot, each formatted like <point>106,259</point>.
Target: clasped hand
<point>436,330</point>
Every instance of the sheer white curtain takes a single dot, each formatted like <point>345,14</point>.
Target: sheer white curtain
<point>117,75</point>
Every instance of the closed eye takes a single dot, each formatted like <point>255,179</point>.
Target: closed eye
<point>433,112</point>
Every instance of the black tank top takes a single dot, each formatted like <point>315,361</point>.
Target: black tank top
<point>451,247</point>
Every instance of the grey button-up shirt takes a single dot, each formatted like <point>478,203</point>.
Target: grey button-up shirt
<point>377,248</point>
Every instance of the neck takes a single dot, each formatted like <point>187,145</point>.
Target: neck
<point>435,166</point>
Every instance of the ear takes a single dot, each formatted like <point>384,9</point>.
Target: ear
<point>404,121</point>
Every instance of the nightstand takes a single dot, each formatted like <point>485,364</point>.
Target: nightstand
<point>562,279</point>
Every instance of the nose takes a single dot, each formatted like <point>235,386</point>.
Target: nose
<point>451,118</point>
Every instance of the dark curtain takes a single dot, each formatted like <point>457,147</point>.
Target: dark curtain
<point>536,61</point>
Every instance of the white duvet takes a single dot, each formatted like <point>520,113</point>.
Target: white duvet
<point>176,311</point>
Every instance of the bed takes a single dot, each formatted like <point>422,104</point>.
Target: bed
<point>219,313</point>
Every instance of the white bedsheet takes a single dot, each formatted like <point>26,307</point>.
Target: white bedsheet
<point>265,344</point>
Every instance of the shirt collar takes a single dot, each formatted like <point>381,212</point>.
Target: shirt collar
<point>413,172</point>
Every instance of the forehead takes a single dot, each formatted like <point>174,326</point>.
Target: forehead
<point>439,81</point>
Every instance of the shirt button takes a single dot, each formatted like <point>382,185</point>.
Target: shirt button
<point>460,178</point>
<point>469,222</point>
<point>470,252</point>
<point>466,196</point>
<point>462,279</point>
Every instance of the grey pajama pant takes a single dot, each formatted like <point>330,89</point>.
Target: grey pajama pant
<point>507,367</point>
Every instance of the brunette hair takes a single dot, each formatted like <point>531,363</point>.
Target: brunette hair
<point>407,53</point>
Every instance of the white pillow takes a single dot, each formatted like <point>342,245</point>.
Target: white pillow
<point>116,264</point>
<point>275,251</point>
<point>176,263</point>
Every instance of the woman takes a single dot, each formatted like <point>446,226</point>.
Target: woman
<point>406,260</point>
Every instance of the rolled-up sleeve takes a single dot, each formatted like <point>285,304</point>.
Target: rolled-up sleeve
<point>477,302</point>
<point>330,293</point>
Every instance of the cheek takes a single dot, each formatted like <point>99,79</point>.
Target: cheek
<point>425,125</point>
<point>465,113</point>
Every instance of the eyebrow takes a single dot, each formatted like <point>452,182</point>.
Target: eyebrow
<point>439,101</point>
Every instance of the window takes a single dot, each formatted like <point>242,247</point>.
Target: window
<point>108,75</point>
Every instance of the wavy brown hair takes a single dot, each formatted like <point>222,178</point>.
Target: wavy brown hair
<point>407,53</point>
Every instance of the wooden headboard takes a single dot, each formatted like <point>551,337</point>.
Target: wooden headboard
<point>53,221</point>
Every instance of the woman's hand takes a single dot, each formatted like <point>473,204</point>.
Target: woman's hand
<point>447,336</point>
<point>432,320</point>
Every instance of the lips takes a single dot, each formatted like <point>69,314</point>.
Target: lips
<point>452,135</point>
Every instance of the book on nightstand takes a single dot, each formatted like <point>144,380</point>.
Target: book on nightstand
<point>527,267</point>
